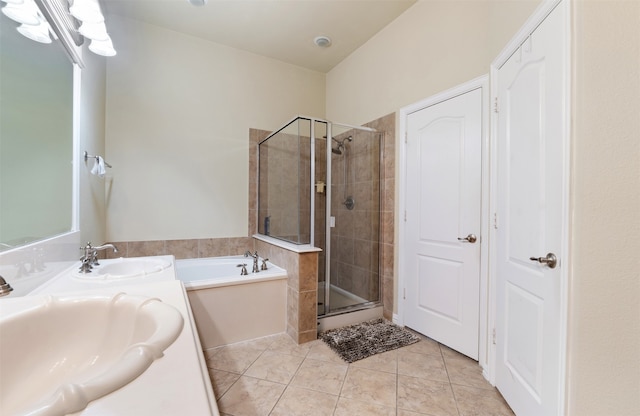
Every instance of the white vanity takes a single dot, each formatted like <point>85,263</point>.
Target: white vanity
<point>176,383</point>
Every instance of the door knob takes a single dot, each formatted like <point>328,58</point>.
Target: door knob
<point>471,238</point>
<point>550,260</point>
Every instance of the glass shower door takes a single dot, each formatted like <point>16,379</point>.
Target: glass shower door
<point>354,249</point>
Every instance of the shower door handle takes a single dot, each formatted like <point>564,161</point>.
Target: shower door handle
<point>471,238</point>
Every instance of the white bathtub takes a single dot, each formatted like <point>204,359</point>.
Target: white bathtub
<point>230,308</point>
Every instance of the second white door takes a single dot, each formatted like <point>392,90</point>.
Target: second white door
<point>443,208</point>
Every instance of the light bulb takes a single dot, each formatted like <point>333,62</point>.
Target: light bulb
<point>102,47</point>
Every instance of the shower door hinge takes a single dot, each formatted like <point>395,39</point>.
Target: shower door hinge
<point>493,336</point>
<point>404,293</point>
<point>495,220</point>
<point>495,105</point>
<point>406,137</point>
<point>405,215</point>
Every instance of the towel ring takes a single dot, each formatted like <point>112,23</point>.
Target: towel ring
<point>87,156</point>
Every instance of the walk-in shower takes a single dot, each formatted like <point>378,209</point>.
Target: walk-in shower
<point>319,184</point>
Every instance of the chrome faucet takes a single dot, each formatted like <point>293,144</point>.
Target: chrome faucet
<point>255,269</point>
<point>90,257</point>
<point>5,288</point>
<point>94,254</point>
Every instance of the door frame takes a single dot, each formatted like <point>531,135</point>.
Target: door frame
<point>481,83</point>
<point>512,47</point>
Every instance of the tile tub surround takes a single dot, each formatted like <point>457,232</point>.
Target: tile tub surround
<point>274,376</point>
<point>182,249</point>
<point>302,289</point>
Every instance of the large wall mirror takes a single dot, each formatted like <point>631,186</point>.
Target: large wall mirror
<point>36,138</point>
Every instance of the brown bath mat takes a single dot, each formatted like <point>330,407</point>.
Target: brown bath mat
<point>355,342</point>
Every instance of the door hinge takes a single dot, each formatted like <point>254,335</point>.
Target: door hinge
<point>406,137</point>
<point>405,215</point>
<point>493,336</point>
<point>495,105</point>
<point>404,293</point>
<point>495,220</point>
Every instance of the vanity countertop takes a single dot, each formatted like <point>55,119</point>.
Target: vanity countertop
<point>177,383</point>
<point>69,281</point>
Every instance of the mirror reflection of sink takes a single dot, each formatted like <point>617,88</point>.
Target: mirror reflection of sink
<point>122,268</point>
<point>57,354</point>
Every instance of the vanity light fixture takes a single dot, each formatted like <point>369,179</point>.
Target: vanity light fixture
<point>39,33</point>
<point>36,27</point>
<point>25,12</point>
<point>102,47</point>
<point>33,25</point>
<point>93,26</point>
<point>94,31</point>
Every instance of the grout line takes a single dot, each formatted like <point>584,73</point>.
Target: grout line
<point>455,400</point>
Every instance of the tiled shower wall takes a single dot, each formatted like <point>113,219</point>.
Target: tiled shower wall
<point>214,247</point>
<point>387,125</point>
<point>356,173</point>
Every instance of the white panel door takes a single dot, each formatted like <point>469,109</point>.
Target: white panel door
<point>442,239</point>
<point>530,129</point>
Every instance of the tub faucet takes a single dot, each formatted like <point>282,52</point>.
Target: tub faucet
<point>255,269</point>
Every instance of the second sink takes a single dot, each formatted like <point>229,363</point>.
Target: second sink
<point>124,268</point>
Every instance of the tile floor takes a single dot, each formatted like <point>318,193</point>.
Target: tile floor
<point>274,376</point>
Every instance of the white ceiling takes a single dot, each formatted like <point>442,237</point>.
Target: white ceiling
<point>280,29</point>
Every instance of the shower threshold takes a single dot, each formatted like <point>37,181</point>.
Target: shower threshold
<point>346,309</point>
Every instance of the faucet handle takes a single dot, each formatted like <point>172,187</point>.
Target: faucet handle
<point>243,271</point>
<point>264,264</point>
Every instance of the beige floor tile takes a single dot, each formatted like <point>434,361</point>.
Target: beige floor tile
<point>424,346</point>
<point>320,376</point>
<point>283,344</point>
<point>449,353</point>
<point>370,386</point>
<point>466,372</point>
<point>410,381</point>
<point>426,396</point>
<point>386,361</point>
<point>302,402</point>
<point>403,412</point>
<point>235,358</point>
<point>221,381</point>
<point>350,407</point>
<point>321,351</point>
<point>250,397</point>
<point>480,402</point>
<point>274,367</point>
<point>422,365</point>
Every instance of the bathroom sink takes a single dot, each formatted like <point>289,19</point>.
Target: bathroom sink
<point>58,353</point>
<point>122,268</point>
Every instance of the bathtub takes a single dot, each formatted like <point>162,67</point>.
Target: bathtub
<point>228,307</point>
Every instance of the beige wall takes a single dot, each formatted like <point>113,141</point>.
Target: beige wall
<point>179,111</point>
<point>92,113</point>
<point>433,46</point>
<point>604,314</point>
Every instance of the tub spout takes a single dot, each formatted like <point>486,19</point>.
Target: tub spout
<point>255,256</point>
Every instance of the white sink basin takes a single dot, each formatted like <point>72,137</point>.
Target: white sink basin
<point>123,268</point>
<point>58,353</point>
